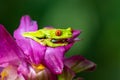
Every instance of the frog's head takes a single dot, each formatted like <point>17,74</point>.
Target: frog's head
<point>50,36</point>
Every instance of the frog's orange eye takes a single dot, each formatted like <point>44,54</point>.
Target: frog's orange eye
<point>58,32</point>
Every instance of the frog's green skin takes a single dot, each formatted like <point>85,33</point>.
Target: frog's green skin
<point>47,36</point>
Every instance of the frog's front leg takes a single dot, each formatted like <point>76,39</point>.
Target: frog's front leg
<point>37,36</point>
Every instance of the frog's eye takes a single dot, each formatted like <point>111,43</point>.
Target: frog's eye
<point>58,33</point>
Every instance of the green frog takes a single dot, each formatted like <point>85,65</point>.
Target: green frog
<point>50,36</point>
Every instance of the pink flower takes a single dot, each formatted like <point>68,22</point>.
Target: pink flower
<point>28,59</point>
<point>40,54</point>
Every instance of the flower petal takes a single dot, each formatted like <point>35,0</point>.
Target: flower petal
<point>54,59</point>
<point>38,52</point>
<point>1,68</point>
<point>73,39</point>
<point>10,73</point>
<point>46,75</point>
<point>67,74</point>
<point>79,63</point>
<point>26,24</point>
<point>9,51</point>
<point>75,34</point>
<point>23,68</point>
<point>34,51</point>
<point>30,73</point>
<point>67,47</point>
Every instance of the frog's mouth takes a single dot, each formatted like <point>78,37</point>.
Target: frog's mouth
<point>52,42</point>
<point>57,41</point>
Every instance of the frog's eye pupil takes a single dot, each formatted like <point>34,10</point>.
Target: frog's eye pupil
<point>58,33</point>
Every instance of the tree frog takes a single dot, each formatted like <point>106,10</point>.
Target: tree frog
<point>50,36</point>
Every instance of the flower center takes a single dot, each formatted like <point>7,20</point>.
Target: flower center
<point>3,75</point>
<point>38,67</point>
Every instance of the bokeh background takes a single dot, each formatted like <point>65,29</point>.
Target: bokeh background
<point>99,21</point>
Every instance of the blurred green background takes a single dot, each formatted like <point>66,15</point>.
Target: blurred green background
<point>99,21</point>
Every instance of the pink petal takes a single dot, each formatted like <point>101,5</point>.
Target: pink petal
<point>79,63</point>
<point>75,34</point>
<point>67,74</point>
<point>9,51</point>
<point>30,73</point>
<point>54,59</point>
<point>26,24</point>
<point>33,50</point>
<point>46,75</point>
<point>67,47</point>
<point>11,73</point>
